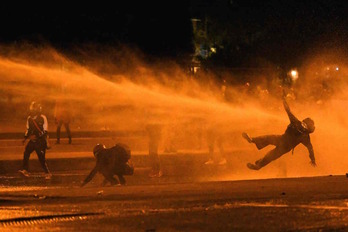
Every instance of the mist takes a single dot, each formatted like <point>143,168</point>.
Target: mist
<point>129,94</point>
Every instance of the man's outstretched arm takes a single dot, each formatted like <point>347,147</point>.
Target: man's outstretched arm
<point>311,154</point>
<point>291,116</point>
<point>90,176</point>
<point>309,146</point>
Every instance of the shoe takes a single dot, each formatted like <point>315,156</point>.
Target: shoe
<point>222,161</point>
<point>210,161</point>
<point>252,166</point>
<point>247,137</point>
<point>48,176</point>
<point>24,173</point>
<point>70,141</point>
<point>156,174</point>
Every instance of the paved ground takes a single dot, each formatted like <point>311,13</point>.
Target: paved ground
<point>174,204</point>
<point>190,196</point>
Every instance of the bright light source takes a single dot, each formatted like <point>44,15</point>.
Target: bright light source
<point>337,69</point>
<point>294,74</point>
<point>213,50</point>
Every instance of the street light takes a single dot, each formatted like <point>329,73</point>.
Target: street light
<point>294,74</point>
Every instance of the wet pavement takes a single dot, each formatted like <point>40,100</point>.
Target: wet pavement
<point>171,203</point>
<point>190,196</point>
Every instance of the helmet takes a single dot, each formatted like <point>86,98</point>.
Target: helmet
<point>35,108</point>
<point>310,124</point>
<point>97,149</point>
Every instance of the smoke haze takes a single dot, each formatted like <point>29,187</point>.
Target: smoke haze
<point>129,94</point>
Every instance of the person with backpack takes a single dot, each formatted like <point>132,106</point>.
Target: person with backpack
<point>110,162</point>
<point>36,132</point>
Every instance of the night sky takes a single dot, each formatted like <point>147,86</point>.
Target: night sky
<point>280,31</point>
<point>157,32</point>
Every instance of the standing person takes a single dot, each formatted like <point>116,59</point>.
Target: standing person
<point>297,132</point>
<point>215,138</point>
<point>111,161</point>
<point>62,116</point>
<point>37,127</point>
<point>154,134</point>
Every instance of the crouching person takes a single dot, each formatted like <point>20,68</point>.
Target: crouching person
<point>110,162</point>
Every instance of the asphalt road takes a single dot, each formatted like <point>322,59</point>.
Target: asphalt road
<point>190,196</point>
<point>174,204</point>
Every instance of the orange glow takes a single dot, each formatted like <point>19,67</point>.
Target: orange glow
<point>294,74</point>
<point>185,107</point>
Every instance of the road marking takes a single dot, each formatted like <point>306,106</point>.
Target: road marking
<point>20,221</point>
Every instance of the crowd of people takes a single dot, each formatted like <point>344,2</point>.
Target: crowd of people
<point>116,160</point>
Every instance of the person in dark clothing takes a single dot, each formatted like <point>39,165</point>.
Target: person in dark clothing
<point>215,138</point>
<point>62,116</point>
<point>154,134</point>
<point>110,162</point>
<point>37,127</point>
<point>297,132</point>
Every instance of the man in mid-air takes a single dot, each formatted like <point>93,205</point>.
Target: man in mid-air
<point>297,132</point>
<point>110,162</point>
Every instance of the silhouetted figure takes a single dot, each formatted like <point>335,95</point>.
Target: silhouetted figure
<point>215,138</point>
<point>296,132</point>
<point>37,127</point>
<point>169,139</point>
<point>154,133</point>
<point>110,162</point>
<point>62,116</point>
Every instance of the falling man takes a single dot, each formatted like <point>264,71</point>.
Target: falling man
<point>297,132</point>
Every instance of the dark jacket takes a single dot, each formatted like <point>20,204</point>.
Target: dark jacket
<point>296,133</point>
<point>37,127</point>
<point>112,161</point>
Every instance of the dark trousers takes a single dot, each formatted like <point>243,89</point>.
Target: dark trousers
<point>153,154</point>
<point>281,148</point>
<point>39,147</point>
<point>67,128</point>
<point>120,170</point>
<point>212,141</point>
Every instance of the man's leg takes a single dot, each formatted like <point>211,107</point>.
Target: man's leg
<point>122,179</point>
<point>28,150</point>
<point>40,150</point>
<point>67,128</point>
<point>58,131</point>
<point>247,137</point>
<point>109,177</point>
<point>211,154</point>
<point>156,167</point>
<point>221,156</point>
<point>269,157</point>
<point>264,141</point>
<point>211,146</point>
<point>155,161</point>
